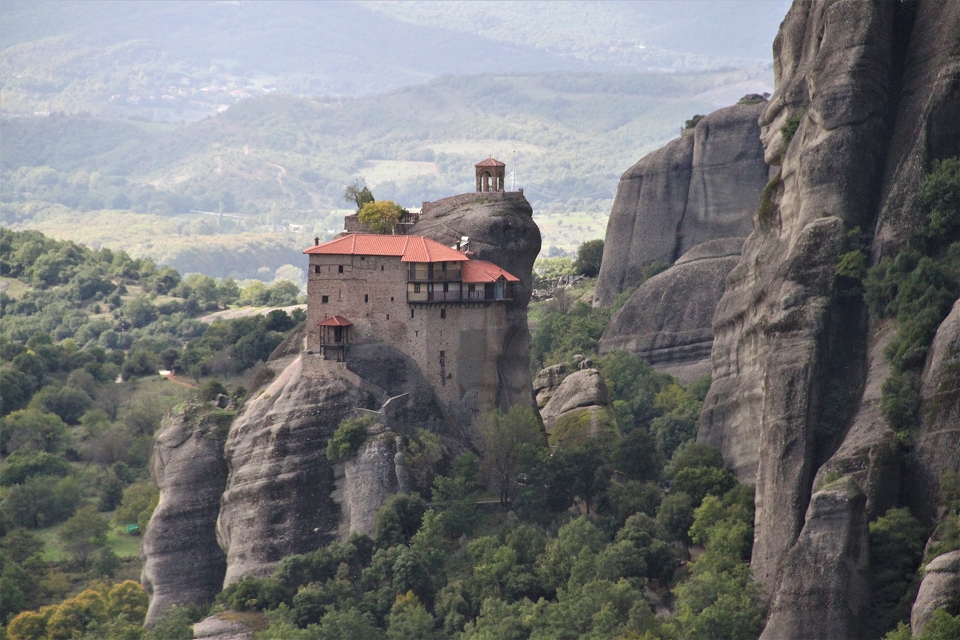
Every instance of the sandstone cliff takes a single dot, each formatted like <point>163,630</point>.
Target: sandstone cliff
<point>182,562</point>
<point>278,494</point>
<point>699,187</point>
<point>668,320</point>
<point>940,589</point>
<point>501,229</point>
<point>864,94</point>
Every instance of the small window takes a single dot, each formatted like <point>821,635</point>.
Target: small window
<point>391,298</point>
<point>366,297</point>
<point>340,269</point>
<point>388,316</point>
<point>443,313</point>
<point>411,313</point>
<point>363,257</point>
<point>416,287</point>
<point>381,267</point>
<point>316,268</point>
<point>324,299</point>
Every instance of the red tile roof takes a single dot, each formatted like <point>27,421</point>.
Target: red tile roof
<point>335,321</point>
<point>483,271</point>
<point>489,162</point>
<point>408,248</point>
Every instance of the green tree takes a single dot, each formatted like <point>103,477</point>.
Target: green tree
<point>589,256</point>
<point>69,403</point>
<point>26,463</point>
<point>675,516</point>
<point>84,534</point>
<point>32,427</point>
<point>398,520</point>
<point>409,619</point>
<point>509,443</point>
<point>136,507</point>
<point>382,216</point>
<point>358,195</point>
<point>174,624</point>
<point>350,435</point>
<point>896,549</point>
<point>41,501</point>
<point>73,616</point>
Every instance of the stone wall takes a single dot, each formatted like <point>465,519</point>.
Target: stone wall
<point>455,345</point>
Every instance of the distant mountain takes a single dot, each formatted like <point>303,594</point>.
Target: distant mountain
<point>185,60</point>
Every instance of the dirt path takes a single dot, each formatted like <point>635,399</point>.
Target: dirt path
<point>242,312</point>
<point>174,379</point>
<point>280,175</point>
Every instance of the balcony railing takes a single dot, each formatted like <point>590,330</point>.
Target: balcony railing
<point>454,296</point>
<point>434,276</point>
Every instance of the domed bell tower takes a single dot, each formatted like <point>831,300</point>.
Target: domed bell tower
<point>490,175</point>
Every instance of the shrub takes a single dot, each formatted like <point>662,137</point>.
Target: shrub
<point>348,438</point>
<point>210,389</point>
<point>896,549</point>
<point>790,127</point>
<point>589,256</point>
<point>41,501</point>
<point>398,520</point>
<point>136,507</point>
<point>26,463</point>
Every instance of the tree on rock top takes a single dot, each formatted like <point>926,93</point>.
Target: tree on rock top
<point>381,216</point>
<point>358,195</point>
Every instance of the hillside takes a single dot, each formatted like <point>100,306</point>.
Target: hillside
<point>182,60</point>
<point>281,160</point>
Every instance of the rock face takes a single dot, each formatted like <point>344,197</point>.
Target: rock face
<point>182,562</point>
<point>668,320</point>
<point>697,188</point>
<point>215,628</point>
<point>940,589</point>
<point>278,499</point>
<point>577,409</point>
<point>864,91</point>
<point>938,442</point>
<point>375,474</point>
<point>580,389</point>
<point>927,118</point>
<point>824,572</point>
<point>771,327</point>
<point>283,495</point>
<point>547,381</point>
<point>501,229</point>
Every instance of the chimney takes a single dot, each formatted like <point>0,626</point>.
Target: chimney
<point>316,241</point>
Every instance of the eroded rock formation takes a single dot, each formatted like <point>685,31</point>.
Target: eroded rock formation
<point>280,493</point>
<point>940,589</point>
<point>182,562</point>
<point>864,90</point>
<point>278,498</point>
<point>699,187</point>
<point>938,442</point>
<point>825,587</point>
<point>501,229</point>
<point>668,320</point>
<point>547,381</point>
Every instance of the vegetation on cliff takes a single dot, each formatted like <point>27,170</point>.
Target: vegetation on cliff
<point>83,334</point>
<point>587,541</point>
<point>918,287</point>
